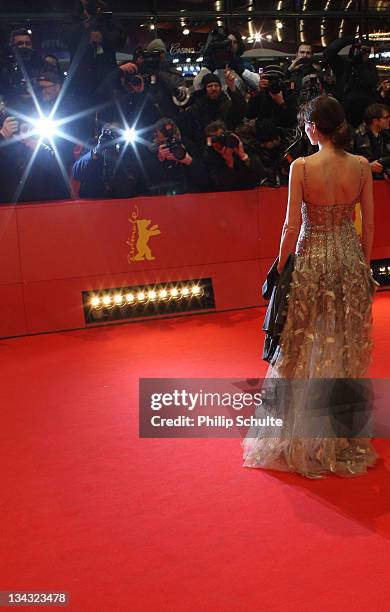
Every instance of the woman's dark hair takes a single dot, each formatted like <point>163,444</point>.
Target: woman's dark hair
<point>328,115</point>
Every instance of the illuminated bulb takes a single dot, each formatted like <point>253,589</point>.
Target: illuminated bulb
<point>29,32</point>
<point>185,291</point>
<point>107,300</point>
<point>243,37</point>
<point>199,59</point>
<point>174,292</point>
<point>279,25</point>
<point>118,299</point>
<point>195,289</point>
<point>186,31</point>
<point>95,301</point>
<point>257,37</point>
<point>140,296</point>
<point>152,295</point>
<point>129,298</point>
<point>175,60</point>
<point>152,26</point>
<point>188,60</point>
<point>269,37</point>
<point>163,293</point>
<point>382,270</point>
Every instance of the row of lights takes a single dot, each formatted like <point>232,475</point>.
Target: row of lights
<point>384,270</point>
<point>120,299</point>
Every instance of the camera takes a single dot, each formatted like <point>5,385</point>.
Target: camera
<point>111,139</point>
<point>359,48</point>
<point>226,139</point>
<point>275,83</point>
<point>175,146</point>
<point>218,49</point>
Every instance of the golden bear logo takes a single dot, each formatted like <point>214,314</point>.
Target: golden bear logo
<point>140,236</point>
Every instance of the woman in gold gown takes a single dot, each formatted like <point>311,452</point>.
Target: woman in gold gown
<point>328,330</point>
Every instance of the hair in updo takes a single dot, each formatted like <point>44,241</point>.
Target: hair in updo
<point>328,115</point>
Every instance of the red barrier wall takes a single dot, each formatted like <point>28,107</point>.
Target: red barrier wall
<point>53,251</point>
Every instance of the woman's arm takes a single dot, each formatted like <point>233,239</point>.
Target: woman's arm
<point>292,222</point>
<point>367,208</point>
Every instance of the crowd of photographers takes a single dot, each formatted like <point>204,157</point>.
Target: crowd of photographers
<point>142,129</point>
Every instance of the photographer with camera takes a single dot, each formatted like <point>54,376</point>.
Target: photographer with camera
<point>171,164</point>
<point>302,65</point>
<point>274,100</point>
<point>356,76</point>
<point>93,38</point>
<point>20,65</point>
<point>277,148</point>
<point>212,105</point>
<point>372,140</point>
<point>110,170</point>
<point>230,165</point>
<point>129,97</point>
<point>29,168</point>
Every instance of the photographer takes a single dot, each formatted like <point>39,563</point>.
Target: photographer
<point>302,65</point>
<point>214,104</point>
<point>277,147</point>
<point>170,92</point>
<point>29,168</point>
<point>356,76</point>
<point>383,92</point>
<point>372,140</point>
<point>171,164</point>
<point>92,38</point>
<point>110,170</point>
<point>230,165</point>
<point>129,97</point>
<point>274,101</point>
<point>20,65</point>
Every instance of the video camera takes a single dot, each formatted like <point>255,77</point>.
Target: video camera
<point>218,49</point>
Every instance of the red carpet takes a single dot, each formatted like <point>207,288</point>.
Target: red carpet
<point>128,524</point>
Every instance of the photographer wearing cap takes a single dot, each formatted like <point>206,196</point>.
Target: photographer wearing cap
<point>212,105</point>
<point>171,164</point>
<point>230,165</point>
<point>372,140</point>
<point>356,76</point>
<point>110,170</point>
<point>274,100</point>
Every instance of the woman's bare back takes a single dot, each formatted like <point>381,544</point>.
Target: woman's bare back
<point>332,178</point>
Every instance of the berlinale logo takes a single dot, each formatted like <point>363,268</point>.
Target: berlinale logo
<point>140,235</point>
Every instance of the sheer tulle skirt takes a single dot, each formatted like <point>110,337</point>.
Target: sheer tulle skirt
<point>327,335</point>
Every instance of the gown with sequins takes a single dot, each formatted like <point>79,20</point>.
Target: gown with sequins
<point>327,335</point>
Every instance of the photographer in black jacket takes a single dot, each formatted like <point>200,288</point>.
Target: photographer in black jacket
<point>230,164</point>
<point>274,101</point>
<point>170,164</point>
<point>213,104</point>
<point>372,140</point>
<point>93,38</point>
<point>356,76</point>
